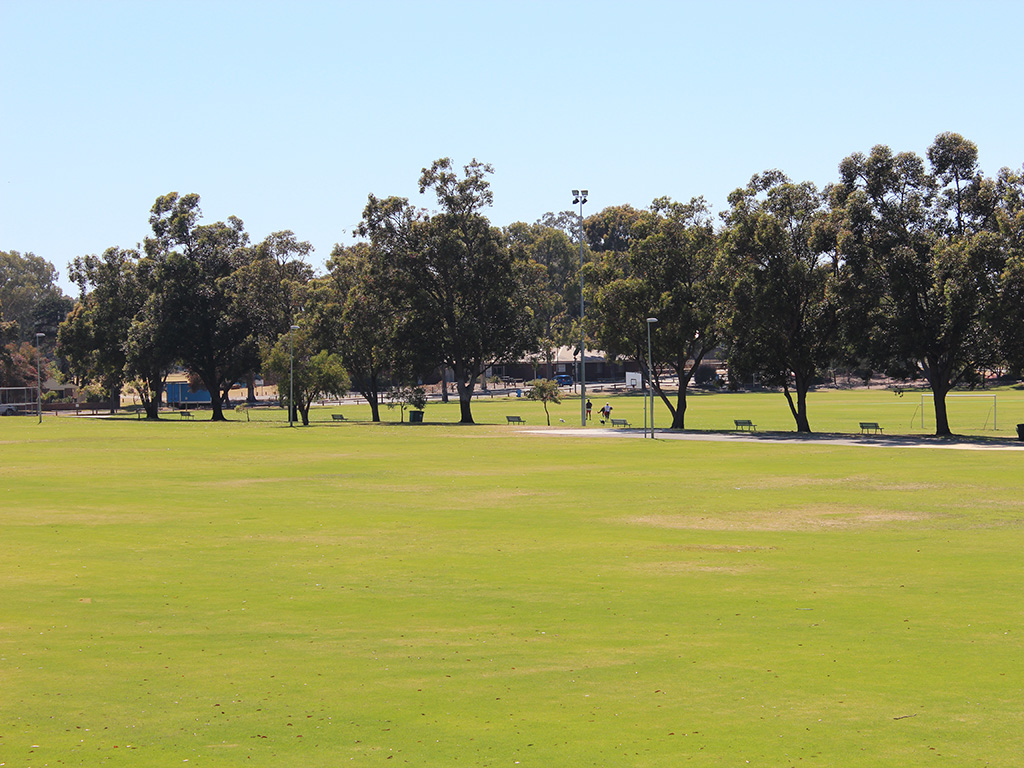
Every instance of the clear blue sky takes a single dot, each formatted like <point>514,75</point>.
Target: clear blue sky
<point>288,114</point>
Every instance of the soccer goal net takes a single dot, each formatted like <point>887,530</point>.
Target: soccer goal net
<point>991,411</point>
<point>17,400</point>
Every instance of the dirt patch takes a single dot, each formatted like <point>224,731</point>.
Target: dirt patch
<point>800,519</point>
<point>859,482</point>
<point>714,548</point>
<point>680,567</point>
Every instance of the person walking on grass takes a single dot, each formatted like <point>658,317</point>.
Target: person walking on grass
<point>606,413</point>
<point>589,406</point>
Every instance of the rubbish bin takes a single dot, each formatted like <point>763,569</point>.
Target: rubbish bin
<point>415,417</point>
<point>1020,431</point>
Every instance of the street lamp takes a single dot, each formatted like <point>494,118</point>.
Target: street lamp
<point>580,197</point>
<point>650,370</point>
<point>39,383</point>
<point>291,373</point>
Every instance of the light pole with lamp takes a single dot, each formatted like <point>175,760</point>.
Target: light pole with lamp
<point>650,372</point>
<point>580,197</point>
<point>291,373</point>
<point>39,383</point>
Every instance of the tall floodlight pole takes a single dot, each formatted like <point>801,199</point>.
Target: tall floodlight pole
<point>580,197</point>
<point>39,383</point>
<point>650,371</point>
<point>291,373</point>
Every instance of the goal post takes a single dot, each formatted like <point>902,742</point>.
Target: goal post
<point>18,400</point>
<point>993,411</point>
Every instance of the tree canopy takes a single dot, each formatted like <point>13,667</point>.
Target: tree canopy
<point>908,265</point>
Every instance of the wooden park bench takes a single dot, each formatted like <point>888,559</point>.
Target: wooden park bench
<point>515,420</point>
<point>620,423</point>
<point>185,414</point>
<point>338,416</point>
<point>870,426</point>
<point>744,424</point>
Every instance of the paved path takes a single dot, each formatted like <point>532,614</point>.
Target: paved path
<point>961,443</point>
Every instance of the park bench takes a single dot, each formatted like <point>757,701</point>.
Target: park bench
<point>870,426</point>
<point>744,424</point>
<point>515,420</point>
<point>184,414</point>
<point>338,416</point>
<point>620,423</point>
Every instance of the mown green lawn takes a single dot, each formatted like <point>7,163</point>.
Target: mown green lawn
<point>839,411</point>
<point>353,594</point>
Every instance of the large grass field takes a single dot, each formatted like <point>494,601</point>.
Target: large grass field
<point>434,595</point>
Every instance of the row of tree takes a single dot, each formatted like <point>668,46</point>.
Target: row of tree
<point>908,268</point>
<point>913,270</point>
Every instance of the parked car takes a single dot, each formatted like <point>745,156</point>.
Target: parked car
<point>563,379</point>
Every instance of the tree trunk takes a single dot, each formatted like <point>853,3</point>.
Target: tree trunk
<point>799,409</point>
<point>250,385</point>
<point>464,384</point>
<point>216,396</point>
<point>369,387</point>
<point>115,398</point>
<point>154,394</point>
<point>685,376</point>
<point>941,417</point>
<point>465,411</point>
<point>939,382</point>
<point>679,410</point>
<point>151,404</point>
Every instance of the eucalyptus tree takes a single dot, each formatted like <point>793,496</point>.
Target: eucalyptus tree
<point>271,284</point>
<point>550,262</point>
<point>114,335</point>
<point>199,293</point>
<point>30,296</point>
<point>1009,327</point>
<point>783,319</point>
<point>925,257</point>
<point>354,312</point>
<point>93,336</point>
<point>670,273</point>
<point>458,287</point>
<point>611,228</point>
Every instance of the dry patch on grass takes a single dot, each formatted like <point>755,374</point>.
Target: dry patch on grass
<point>669,568</point>
<point>858,482</point>
<point>238,482</point>
<point>715,547</point>
<point>47,517</point>
<point>797,519</point>
<point>315,539</point>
